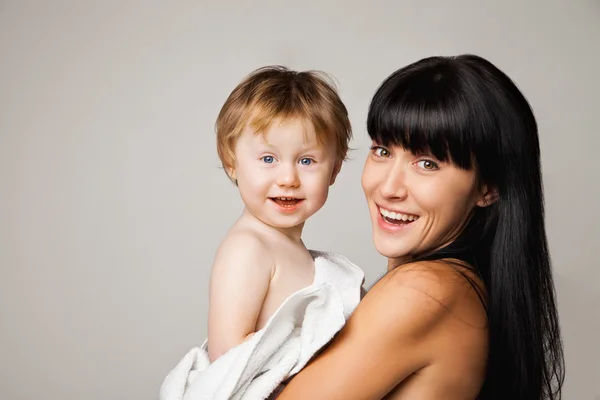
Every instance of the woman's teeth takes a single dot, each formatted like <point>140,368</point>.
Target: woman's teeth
<point>398,216</point>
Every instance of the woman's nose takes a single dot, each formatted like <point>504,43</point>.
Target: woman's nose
<point>393,186</point>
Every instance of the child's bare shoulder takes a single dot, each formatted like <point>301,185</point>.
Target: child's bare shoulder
<point>242,248</point>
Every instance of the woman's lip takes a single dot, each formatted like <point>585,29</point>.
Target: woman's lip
<point>390,227</point>
<point>379,208</point>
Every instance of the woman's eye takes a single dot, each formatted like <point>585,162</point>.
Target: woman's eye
<point>380,151</point>
<point>268,159</point>
<point>306,161</point>
<point>427,165</point>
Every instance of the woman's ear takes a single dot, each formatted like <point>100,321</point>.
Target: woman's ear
<point>489,195</point>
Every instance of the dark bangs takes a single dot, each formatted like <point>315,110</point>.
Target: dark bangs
<point>425,108</point>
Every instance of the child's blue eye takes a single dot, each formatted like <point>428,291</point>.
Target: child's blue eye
<point>306,161</point>
<point>268,159</point>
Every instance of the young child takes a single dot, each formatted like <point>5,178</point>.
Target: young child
<point>282,137</point>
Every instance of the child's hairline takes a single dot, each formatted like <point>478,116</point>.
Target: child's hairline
<point>274,93</point>
<point>228,141</point>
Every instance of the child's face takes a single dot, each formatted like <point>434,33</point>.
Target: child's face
<point>284,175</point>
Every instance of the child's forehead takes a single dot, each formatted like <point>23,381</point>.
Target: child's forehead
<point>263,124</point>
<point>291,128</point>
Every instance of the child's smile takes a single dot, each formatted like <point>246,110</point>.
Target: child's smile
<point>287,204</point>
<point>284,173</point>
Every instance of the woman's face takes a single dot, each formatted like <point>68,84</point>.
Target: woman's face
<point>417,203</point>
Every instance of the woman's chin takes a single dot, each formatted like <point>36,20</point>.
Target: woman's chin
<point>391,252</point>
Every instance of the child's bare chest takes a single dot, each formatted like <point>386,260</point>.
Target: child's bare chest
<point>294,270</point>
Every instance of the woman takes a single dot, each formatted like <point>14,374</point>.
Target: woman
<point>467,308</point>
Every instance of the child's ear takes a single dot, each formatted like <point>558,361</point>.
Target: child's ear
<point>230,171</point>
<point>489,195</point>
<point>336,170</point>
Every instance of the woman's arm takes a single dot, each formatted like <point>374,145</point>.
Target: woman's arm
<point>385,341</point>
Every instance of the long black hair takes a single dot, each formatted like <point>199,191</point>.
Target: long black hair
<point>466,111</point>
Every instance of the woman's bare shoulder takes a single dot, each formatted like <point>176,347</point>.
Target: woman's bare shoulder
<point>394,333</point>
<point>440,287</point>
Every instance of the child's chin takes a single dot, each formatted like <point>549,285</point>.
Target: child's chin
<point>286,223</point>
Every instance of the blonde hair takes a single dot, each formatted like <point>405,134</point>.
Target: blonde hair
<point>276,92</point>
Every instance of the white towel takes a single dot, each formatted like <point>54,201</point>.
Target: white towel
<point>303,324</point>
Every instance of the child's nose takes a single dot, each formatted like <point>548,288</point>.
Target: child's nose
<point>288,176</point>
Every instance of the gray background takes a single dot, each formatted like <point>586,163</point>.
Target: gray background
<point>112,200</point>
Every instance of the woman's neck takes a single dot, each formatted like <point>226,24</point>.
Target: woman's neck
<point>394,262</point>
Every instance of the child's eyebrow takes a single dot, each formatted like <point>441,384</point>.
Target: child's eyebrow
<point>313,149</point>
<point>313,145</point>
<point>263,142</point>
